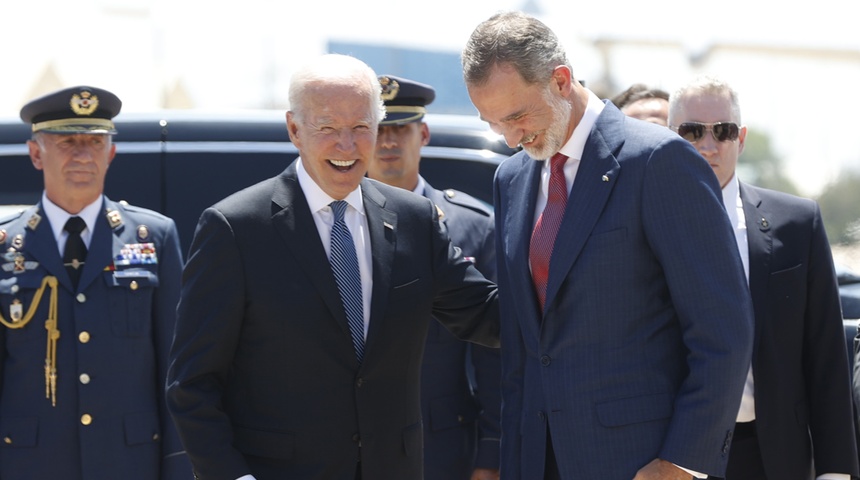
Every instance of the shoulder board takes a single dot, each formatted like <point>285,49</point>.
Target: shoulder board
<point>461,199</point>
<point>10,217</point>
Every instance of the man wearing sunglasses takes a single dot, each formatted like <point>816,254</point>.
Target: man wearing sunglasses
<point>796,412</point>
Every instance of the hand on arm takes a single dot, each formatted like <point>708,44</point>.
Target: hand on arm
<point>660,469</point>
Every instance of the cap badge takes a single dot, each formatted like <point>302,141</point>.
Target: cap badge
<point>390,89</point>
<point>84,104</point>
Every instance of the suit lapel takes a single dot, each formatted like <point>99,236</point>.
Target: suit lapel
<point>382,225</point>
<point>597,174</point>
<point>517,235</point>
<point>760,240</point>
<point>292,218</point>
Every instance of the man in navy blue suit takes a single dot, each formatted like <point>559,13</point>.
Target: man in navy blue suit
<point>461,417</point>
<point>626,321</point>
<point>88,295</point>
<point>796,416</point>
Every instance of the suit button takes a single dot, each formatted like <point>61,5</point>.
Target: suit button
<point>541,416</point>
<point>460,419</point>
<point>133,284</point>
<point>357,439</point>
<point>84,337</point>
<point>81,298</point>
<point>15,288</point>
<point>545,360</point>
<point>84,378</point>
<point>86,419</point>
<point>359,382</point>
<point>155,437</point>
<point>7,440</point>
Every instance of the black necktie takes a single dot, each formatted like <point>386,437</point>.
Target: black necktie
<point>76,252</point>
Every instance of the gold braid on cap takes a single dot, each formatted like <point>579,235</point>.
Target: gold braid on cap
<point>417,112</point>
<point>73,124</point>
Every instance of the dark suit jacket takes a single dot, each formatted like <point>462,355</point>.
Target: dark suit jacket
<point>803,400</point>
<point>461,426</point>
<point>644,344</point>
<point>111,355</point>
<point>263,376</point>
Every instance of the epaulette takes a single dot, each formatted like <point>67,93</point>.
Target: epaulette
<point>10,217</point>
<point>465,200</point>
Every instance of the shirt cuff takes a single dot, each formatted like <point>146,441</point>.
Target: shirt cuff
<point>694,473</point>
<point>834,476</point>
<point>246,477</point>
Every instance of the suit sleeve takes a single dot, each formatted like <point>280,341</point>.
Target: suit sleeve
<point>175,464</point>
<point>825,362</point>
<point>465,302</point>
<point>209,320</point>
<point>688,230</point>
<point>513,355</point>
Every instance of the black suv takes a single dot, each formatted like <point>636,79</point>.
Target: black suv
<point>180,162</point>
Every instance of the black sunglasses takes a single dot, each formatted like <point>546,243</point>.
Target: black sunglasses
<point>694,131</point>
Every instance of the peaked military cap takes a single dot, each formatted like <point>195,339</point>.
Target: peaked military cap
<point>404,100</point>
<point>73,110</point>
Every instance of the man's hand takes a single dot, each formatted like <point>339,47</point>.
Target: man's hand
<point>661,470</point>
<point>485,474</point>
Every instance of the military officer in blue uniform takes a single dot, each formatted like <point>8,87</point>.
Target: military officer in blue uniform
<point>88,294</point>
<point>460,399</point>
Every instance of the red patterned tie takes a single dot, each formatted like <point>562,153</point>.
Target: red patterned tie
<point>546,228</point>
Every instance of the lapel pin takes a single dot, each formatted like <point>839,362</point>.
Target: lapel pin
<point>764,223</point>
<point>18,242</point>
<point>605,178</point>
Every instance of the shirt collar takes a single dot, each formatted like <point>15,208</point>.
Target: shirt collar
<point>576,143</point>
<point>317,198</point>
<point>57,217</point>
<point>731,198</point>
<point>422,185</point>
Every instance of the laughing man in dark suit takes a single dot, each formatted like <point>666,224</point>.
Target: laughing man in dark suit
<point>282,366</point>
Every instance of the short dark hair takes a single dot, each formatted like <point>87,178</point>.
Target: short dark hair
<point>636,92</point>
<point>516,39</point>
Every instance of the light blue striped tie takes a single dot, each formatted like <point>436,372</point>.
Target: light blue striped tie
<point>344,265</point>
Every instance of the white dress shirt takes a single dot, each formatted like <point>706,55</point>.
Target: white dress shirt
<point>57,218</point>
<point>356,221</point>
<point>573,149</point>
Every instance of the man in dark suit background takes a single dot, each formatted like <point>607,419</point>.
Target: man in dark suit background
<point>88,294</point>
<point>461,417</point>
<point>796,415</point>
<point>626,320</point>
<point>285,367</point>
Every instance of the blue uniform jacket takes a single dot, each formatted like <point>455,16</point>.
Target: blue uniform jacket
<point>461,425</point>
<point>110,419</point>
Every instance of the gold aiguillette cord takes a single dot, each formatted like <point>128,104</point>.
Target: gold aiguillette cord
<point>53,334</point>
